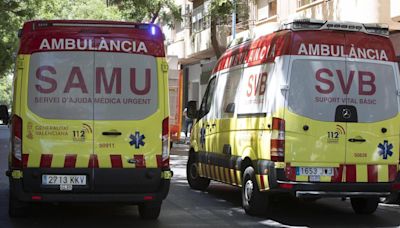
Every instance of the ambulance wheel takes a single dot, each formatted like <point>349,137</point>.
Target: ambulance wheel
<point>193,177</point>
<point>149,211</point>
<point>16,208</point>
<point>254,202</point>
<point>364,205</point>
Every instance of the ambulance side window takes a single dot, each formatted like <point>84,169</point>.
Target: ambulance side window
<point>207,99</point>
<point>226,90</point>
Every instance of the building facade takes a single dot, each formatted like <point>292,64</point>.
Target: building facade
<point>189,43</point>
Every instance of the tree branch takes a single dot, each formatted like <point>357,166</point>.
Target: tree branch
<point>156,14</point>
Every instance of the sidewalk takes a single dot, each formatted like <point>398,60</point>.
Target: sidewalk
<point>179,149</point>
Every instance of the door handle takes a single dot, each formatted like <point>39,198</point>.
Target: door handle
<point>111,133</point>
<point>357,140</point>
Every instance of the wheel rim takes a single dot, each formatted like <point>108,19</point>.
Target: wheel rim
<point>193,171</point>
<point>248,190</point>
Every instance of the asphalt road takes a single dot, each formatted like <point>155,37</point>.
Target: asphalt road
<point>219,206</point>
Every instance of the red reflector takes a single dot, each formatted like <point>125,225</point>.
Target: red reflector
<point>16,122</point>
<point>277,158</point>
<point>277,144</point>
<point>148,198</point>
<point>278,124</point>
<point>286,186</point>
<point>165,126</point>
<point>36,198</point>
<point>396,186</point>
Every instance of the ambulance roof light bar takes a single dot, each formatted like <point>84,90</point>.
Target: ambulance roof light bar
<point>151,28</point>
<point>313,24</point>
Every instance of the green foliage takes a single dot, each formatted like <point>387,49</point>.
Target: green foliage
<point>13,14</point>
<point>151,11</point>
<point>5,91</point>
<point>221,9</point>
<point>77,9</point>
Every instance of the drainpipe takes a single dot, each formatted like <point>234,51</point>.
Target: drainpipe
<point>234,20</point>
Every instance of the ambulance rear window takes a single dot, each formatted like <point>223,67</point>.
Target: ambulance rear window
<point>84,85</point>
<point>318,87</point>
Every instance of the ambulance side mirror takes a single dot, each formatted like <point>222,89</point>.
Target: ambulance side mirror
<point>192,109</point>
<point>230,108</point>
<point>4,116</point>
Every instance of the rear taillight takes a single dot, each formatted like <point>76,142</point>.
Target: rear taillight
<point>165,143</point>
<point>278,140</point>
<point>16,142</point>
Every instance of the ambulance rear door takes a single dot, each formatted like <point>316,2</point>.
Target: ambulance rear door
<point>372,139</point>
<point>57,120</point>
<point>128,120</point>
<point>315,143</point>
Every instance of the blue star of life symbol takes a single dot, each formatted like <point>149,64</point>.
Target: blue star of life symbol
<point>137,140</point>
<point>385,149</point>
<point>202,136</point>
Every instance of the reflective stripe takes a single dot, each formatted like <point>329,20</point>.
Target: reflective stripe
<point>362,173</point>
<point>383,173</point>
<point>93,161</point>
<point>140,161</point>
<point>233,177</point>
<point>45,160</point>
<point>239,178</point>
<point>351,173</point>
<point>227,176</point>
<point>25,159</point>
<point>392,172</point>
<point>116,161</point>
<point>70,161</point>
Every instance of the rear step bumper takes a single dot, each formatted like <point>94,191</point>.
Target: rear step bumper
<point>313,194</point>
<point>103,185</point>
<point>307,190</point>
<point>20,194</point>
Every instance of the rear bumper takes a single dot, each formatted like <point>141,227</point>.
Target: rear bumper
<point>120,186</point>
<point>305,190</point>
<point>278,182</point>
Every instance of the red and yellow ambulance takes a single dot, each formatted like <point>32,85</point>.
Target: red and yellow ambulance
<point>311,109</point>
<point>90,115</point>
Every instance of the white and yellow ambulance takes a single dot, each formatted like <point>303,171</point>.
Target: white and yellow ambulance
<point>90,115</point>
<point>311,109</point>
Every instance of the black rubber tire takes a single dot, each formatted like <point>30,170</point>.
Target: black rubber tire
<point>364,205</point>
<point>254,202</point>
<point>16,208</point>
<point>150,211</point>
<point>193,177</point>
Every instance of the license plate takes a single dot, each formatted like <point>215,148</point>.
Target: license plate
<point>64,179</point>
<point>314,171</point>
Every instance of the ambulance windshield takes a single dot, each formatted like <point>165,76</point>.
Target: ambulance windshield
<point>82,85</point>
<point>318,87</point>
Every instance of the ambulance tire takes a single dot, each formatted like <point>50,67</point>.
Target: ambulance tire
<point>16,208</point>
<point>254,202</point>
<point>364,205</point>
<point>150,211</point>
<point>192,174</point>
